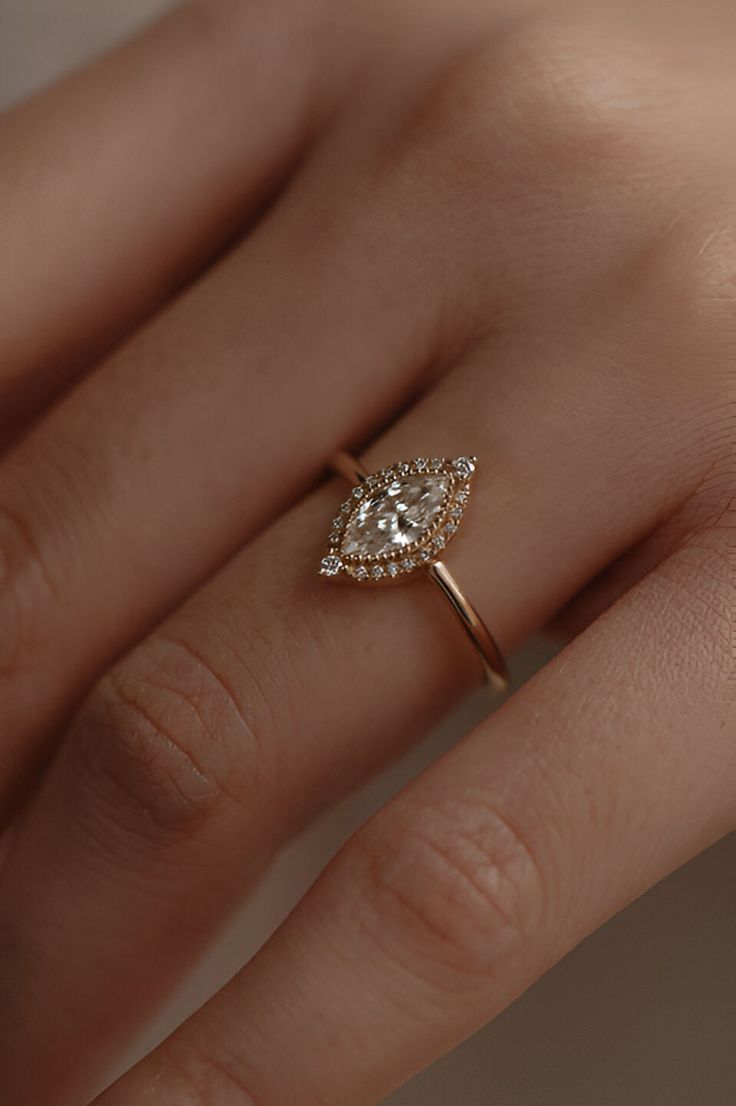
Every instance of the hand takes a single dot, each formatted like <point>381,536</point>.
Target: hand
<point>451,230</point>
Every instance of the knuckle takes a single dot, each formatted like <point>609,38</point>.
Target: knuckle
<point>198,1078</point>
<point>162,745</point>
<point>456,893</point>
<point>132,763</point>
<point>690,284</point>
<point>684,278</point>
<point>548,93</point>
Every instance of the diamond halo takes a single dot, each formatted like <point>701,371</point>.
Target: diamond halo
<point>397,520</point>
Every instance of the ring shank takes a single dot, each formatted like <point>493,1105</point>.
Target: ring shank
<point>346,465</point>
<point>494,665</point>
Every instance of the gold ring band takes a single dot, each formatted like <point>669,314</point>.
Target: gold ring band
<point>393,525</point>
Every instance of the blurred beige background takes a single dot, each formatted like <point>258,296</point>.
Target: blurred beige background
<point>644,1012</point>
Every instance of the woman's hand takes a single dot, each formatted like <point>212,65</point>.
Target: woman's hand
<point>453,228</point>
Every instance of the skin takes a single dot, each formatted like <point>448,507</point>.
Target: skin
<point>258,233</point>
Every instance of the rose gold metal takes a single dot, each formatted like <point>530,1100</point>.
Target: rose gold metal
<point>347,466</point>
<point>492,659</point>
<point>494,665</point>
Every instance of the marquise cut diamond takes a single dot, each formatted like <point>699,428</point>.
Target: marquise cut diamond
<point>396,516</point>
<point>396,521</point>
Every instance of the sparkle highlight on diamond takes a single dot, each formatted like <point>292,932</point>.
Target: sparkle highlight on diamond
<point>397,520</point>
<point>396,516</point>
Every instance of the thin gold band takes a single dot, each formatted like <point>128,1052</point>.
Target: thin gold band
<point>494,665</point>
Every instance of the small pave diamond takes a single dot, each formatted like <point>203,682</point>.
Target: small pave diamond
<point>361,572</point>
<point>438,542</point>
<point>421,464</point>
<point>407,564</point>
<point>464,465</point>
<point>358,492</point>
<point>377,572</point>
<point>330,565</point>
<point>393,569</point>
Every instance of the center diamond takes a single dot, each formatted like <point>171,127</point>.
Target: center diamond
<point>396,516</point>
